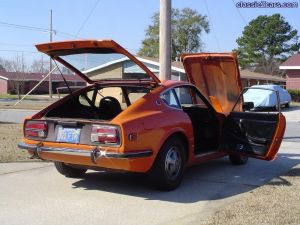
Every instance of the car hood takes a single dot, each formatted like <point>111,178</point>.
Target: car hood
<point>216,75</point>
<point>57,50</point>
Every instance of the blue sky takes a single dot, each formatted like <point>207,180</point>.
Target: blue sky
<point>123,21</point>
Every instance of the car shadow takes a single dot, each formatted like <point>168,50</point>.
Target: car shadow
<point>291,108</point>
<point>213,180</point>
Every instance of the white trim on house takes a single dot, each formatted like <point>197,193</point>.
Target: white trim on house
<point>105,65</point>
<point>126,58</point>
<point>4,78</point>
<point>157,64</point>
<point>289,67</point>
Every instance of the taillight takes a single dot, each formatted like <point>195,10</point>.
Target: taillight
<point>35,128</point>
<point>105,134</point>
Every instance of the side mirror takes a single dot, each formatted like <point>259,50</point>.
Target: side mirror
<point>247,106</point>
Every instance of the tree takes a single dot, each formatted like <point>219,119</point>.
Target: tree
<point>265,43</point>
<point>18,66</point>
<point>39,66</point>
<point>2,68</point>
<point>4,64</point>
<point>187,26</point>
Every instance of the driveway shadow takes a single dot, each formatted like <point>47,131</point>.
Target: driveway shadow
<point>291,108</point>
<point>214,180</point>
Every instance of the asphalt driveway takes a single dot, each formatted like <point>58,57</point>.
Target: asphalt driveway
<point>37,194</point>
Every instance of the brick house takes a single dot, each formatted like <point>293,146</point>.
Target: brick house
<point>10,81</point>
<point>292,68</point>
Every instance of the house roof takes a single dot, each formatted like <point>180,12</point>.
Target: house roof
<point>37,77</point>
<point>262,76</point>
<point>292,63</point>
<point>178,66</point>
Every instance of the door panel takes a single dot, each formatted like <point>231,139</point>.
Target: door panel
<point>257,135</point>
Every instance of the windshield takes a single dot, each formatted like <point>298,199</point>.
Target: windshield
<point>106,66</point>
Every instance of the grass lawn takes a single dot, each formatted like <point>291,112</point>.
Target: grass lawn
<point>10,135</point>
<point>29,97</point>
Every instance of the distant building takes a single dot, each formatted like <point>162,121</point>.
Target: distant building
<point>124,67</point>
<point>10,81</point>
<point>292,68</point>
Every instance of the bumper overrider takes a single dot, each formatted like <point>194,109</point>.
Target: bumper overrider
<point>94,154</point>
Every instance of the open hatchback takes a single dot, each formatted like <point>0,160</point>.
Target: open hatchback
<point>126,119</point>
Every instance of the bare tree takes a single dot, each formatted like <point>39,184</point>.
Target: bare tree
<point>18,66</point>
<point>5,64</point>
<point>39,66</point>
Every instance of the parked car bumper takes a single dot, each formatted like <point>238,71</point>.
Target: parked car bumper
<point>134,161</point>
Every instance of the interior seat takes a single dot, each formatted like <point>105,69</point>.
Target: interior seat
<point>109,107</point>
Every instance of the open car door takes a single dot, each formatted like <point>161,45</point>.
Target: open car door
<point>254,134</point>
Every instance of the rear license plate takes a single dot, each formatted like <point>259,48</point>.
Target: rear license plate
<point>70,135</point>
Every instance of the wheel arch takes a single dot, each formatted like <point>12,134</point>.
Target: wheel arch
<point>183,138</point>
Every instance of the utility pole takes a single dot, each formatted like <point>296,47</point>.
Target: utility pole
<point>50,62</point>
<point>165,40</point>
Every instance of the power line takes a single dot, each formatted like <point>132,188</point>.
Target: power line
<point>212,27</point>
<point>87,18</point>
<point>239,12</point>
<point>24,27</point>
<point>9,50</point>
<point>17,45</point>
<point>39,29</point>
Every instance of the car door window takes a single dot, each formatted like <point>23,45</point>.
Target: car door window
<point>188,97</point>
<point>170,99</point>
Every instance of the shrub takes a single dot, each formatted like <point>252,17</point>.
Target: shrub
<point>295,94</point>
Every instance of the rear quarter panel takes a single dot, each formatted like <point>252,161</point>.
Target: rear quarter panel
<point>154,123</point>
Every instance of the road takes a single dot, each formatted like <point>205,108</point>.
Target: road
<point>34,193</point>
<point>15,115</point>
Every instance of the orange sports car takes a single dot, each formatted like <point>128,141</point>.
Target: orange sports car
<point>127,119</point>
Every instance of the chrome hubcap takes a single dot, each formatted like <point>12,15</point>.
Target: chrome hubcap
<point>173,162</point>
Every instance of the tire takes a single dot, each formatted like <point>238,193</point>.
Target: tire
<point>238,159</point>
<point>69,171</point>
<point>287,105</point>
<point>167,171</point>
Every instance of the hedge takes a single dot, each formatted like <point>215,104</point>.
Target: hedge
<point>295,94</point>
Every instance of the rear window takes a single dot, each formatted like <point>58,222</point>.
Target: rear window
<point>118,93</point>
<point>100,66</point>
<point>135,93</point>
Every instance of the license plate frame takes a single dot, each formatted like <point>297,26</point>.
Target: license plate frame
<point>68,135</point>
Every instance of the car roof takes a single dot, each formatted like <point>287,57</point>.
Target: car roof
<point>271,86</point>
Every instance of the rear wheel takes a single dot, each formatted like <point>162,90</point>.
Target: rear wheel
<point>69,171</point>
<point>167,171</point>
<point>238,159</point>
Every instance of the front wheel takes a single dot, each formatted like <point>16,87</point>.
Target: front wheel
<point>69,171</point>
<point>167,171</point>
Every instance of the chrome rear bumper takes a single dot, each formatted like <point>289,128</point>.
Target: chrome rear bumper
<point>93,154</point>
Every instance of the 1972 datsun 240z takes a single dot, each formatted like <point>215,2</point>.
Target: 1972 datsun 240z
<point>127,119</point>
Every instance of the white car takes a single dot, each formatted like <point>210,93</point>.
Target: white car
<point>264,96</point>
